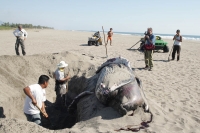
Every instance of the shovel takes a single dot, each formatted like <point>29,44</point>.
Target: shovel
<point>170,53</point>
<point>52,126</point>
<point>135,44</point>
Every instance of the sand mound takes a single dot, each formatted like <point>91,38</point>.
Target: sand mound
<point>17,72</point>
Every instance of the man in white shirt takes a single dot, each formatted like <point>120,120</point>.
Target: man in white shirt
<point>60,85</point>
<point>35,96</point>
<point>21,35</point>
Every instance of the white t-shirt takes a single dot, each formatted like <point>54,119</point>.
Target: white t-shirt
<point>177,42</point>
<point>38,94</point>
<point>44,94</point>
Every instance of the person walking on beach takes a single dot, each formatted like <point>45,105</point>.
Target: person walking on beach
<point>35,96</point>
<point>60,84</point>
<point>110,34</point>
<point>177,45</point>
<point>148,49</point>
<point>21,36</point>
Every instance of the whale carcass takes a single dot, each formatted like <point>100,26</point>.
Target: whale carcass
<point>115,85</point>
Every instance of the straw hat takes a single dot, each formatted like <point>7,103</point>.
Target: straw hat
<point>62,64</point>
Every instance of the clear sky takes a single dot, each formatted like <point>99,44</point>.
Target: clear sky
<point>164,16</point>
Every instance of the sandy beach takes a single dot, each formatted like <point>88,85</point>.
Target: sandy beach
<point>172,88</point>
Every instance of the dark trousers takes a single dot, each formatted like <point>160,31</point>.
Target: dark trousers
<point>176,49</point>
<point>60,96</point>
<point>20,41</point>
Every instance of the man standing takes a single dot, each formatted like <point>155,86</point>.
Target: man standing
<point>148,49</point>
<point>21,36</point>
<point>110,34</point>
<point>60,85</point>
<point>177,45</point>
<point>35,97</point>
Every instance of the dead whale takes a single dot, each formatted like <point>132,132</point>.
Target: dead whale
<point>115,85</point>
<point>118,87</point>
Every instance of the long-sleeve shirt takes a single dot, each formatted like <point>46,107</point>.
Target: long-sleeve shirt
<point>21,34</point>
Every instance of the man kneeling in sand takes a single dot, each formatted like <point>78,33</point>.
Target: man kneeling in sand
<point>35,97</point>
<point>60,85</point>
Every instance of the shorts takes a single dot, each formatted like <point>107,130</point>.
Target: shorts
<point>109,38</point>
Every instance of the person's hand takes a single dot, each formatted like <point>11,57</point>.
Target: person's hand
<point>68,76</point>
<point>45,114</point>
<point>146,36</point>
<point>34,102</point>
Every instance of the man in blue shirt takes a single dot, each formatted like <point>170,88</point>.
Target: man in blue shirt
<point>148,49</point>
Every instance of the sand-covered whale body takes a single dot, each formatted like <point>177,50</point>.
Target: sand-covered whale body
<point>118,87</point>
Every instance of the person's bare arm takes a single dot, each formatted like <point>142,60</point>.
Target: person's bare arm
<point>44,110</point>
<point>180,39</point>
<point>174,37</point>
<point>27,91</point>
<point>66,78</point>
<point>43,107</point>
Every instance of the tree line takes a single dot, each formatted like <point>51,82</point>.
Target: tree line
<point>12,25</point>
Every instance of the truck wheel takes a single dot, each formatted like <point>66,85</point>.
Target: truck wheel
<point>166,49</point>
<point>97,43</point>
<point>93,43</point>
<point>89,43</point>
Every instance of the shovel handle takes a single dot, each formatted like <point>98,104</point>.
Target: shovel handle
<point>42,111</point>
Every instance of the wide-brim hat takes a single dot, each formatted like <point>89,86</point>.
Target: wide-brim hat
<point>62,64</point>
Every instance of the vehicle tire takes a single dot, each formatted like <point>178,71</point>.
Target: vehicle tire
<point>166,49</point>
<point>97,43</point>
<point>89,43</point>
<point>93,43</point>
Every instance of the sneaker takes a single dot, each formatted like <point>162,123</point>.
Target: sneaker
<point>146,67</point>
<point>151,69</point>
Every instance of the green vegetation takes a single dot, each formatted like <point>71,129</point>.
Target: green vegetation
<point>5,28</point>
<point>8,26</point>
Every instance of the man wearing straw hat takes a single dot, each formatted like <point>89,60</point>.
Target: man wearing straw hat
<point>60,84</point>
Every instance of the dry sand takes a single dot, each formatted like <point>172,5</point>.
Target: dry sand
<point>172,88</point>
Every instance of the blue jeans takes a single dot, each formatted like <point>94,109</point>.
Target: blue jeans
<point>34,118</point>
